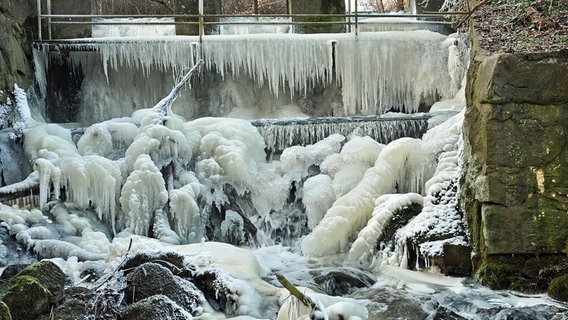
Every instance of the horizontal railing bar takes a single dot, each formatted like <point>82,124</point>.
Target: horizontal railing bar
<point>233,23</point>
<point>90,16</point>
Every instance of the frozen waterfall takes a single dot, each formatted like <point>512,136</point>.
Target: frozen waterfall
<point>374,72</point>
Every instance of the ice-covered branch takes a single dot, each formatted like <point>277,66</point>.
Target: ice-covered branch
<point>164,105</point>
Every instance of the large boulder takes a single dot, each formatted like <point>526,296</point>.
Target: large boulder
<point>150,279</point>
<point>32,291</point>
<point>70,309</point>
<point>558,288</point>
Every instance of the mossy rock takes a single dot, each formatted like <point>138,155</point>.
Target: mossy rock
<point>70,309</point>
<point>541,270</point>
<point>558,288</point>
<point>48,274</point>
<point>30,292</point>
<point>499,276</point>
<point>25,297</point>
<point>4,312</point>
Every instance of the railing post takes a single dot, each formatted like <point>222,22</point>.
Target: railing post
<point>49,35</point>
<point>349,16</point>
<point>356,18</point>
<point>39,20</point>
<point>201,29</point>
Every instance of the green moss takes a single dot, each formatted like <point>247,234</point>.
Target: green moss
<point>26,297</point>
<point>4,312</point>
<point>48,274</point>
<point>558,288</point>
<point>498,276</point>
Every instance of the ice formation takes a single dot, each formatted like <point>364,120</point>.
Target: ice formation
<point>376,71</point>
<point>154,174</point>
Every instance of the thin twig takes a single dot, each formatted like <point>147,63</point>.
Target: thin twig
<point>117,267</point>
<point>472,11</point>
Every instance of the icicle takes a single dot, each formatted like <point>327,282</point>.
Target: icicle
<point>40,59</point>
<point>392,70</point>
<point>49,178</point>
<point>282,134</point>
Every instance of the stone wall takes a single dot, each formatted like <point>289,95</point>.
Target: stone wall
<point>516,135</point>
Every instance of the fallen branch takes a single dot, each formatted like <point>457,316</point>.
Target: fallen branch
<point>126,256</point>
<point>164,105</point>
<point>316,310</point>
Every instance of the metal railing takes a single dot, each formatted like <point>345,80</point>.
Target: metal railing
<point>351,19</point>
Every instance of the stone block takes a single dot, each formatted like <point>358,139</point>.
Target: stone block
<point>517,230</point>
<point>531,78</point>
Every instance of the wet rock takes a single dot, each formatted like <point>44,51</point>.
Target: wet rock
<point>341,281</point>
<point>11,270</point>
<point>400,219</point>
<point>30,292</point>
<point>560,316</point>
<point>169,260</point>
<point>538,312</point>
<point>151,279</point>
<point>384,304</point>
<point>213,286</point>
<point>521,273</point>
<point>70,309</point>
<point>438,312</point>
<point>155,308</point>
<point>558,288</point>
<point>49,275</point>
<point>455,260</point>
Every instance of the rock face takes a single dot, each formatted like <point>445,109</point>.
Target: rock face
<point>516,179</point>
<point>15,45</point>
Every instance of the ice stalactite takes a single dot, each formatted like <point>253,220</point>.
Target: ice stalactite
<point>292,62</point>
<point>143,193</point>
<point>92,181</point>
<point>406,69</point>
<point>163,53</point>
<point>184,209</point>
<point>280,134</point>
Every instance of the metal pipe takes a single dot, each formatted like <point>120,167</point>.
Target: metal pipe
<point>361,15</point>
<point>201,31</point>
<point>39,20</point>
<point>356,18</point>
<point>49,35</point>
<point>349,16</point>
